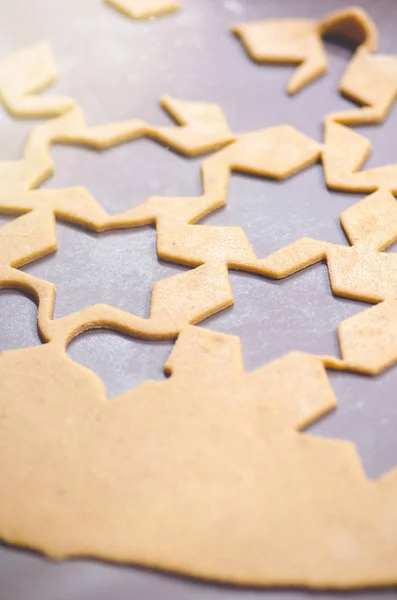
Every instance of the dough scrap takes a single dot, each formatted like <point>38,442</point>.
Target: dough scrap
<point>114,484</point>
<point>299,41</point>
<point>25,73</point>
<point>285,41</point>
<point>369,79</point>
<point>145,9</point>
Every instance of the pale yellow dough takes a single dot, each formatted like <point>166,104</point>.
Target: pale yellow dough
<point>201,128</point>
<point>176,301</point>
<point>370,79</point>
<point>345,152</point>
<point>276,152</point>
<point>299,41</point>
<point>204,474</point>
<point>25,73</point>
<point>144,9</point>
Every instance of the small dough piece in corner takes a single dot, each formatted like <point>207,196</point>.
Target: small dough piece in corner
<point>300,41</point>
<point>26,73</point>
<point>145,9</point>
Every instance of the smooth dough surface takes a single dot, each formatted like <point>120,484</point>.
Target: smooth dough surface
<point>207,473</point>
<point>204,474</point>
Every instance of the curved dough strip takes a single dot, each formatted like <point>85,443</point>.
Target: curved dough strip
<point>369,79</point>
<point>299,41</point>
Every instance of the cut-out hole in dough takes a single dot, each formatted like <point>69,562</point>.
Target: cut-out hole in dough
<point>366,415</point>
<point>274,317</point>
<point>274,214</point>
<point>263,85</point>
<point>122,177</point>
<point>18,321</point>
<point>121,362</point>
<point>322,95</point>
<point>299,41</point>
<point>117,268</point>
